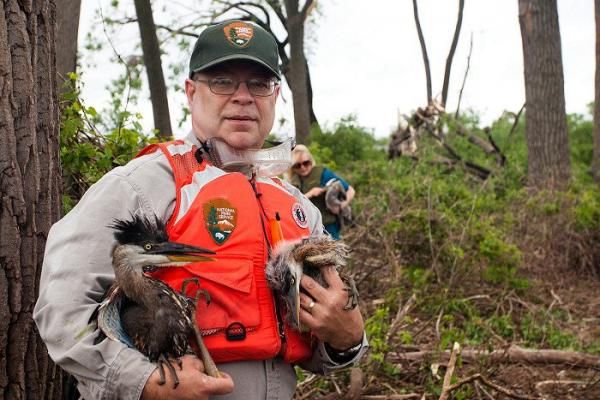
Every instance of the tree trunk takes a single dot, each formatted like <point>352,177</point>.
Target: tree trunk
<point>67,26</point>
<point>29,190</point>
<point>156,79</point>
<point>285,70</point>
<point>423,51</point>
<point>314,122</point>
<point>596,156</point>
<point>545,120</point>
<point>298,72</point>
<point>461,7</point>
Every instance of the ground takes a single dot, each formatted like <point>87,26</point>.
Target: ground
<point>565,305</point>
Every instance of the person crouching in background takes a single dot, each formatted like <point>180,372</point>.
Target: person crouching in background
<point>313,180</point>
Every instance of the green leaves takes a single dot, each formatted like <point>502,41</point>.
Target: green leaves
<point>86,153</point>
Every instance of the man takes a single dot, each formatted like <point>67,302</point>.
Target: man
<point>232,88</point>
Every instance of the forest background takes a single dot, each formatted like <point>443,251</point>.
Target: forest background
<point>476,246</point>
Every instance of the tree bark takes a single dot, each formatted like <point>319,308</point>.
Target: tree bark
<point>596,154</point>
<point>156,79</point>
<point>298,71</point>
<point>545,120</point>
<point>29,190</point>
<point>67,26</point>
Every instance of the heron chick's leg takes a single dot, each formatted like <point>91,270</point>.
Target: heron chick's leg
<point>209,364</point>
<point>350,287</point>
<point>162,361</point>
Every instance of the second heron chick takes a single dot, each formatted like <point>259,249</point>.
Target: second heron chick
<point>291,260</point>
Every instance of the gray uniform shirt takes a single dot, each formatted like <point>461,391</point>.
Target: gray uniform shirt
<point>77,270</point>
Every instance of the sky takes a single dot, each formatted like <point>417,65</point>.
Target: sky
<point>365,59</point>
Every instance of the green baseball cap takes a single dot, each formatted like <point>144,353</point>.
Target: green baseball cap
<point>235,40</point>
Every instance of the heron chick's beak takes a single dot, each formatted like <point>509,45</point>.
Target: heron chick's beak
<point>293,295</point>
<point>180,252</point>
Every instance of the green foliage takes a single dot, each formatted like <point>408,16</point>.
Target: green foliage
<point>539,331</point>
<point>346,143</point>
<point>581,141</point>
<point>587,209</point>
<point>86,154</point>
<point>455,236</point>
<point>376,327</point>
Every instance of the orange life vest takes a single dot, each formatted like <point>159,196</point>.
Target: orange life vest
<point>230,214</point>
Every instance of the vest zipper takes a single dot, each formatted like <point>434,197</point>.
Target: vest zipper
<point>280,324</point>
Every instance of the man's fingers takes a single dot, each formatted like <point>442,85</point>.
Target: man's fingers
<point>332,277</point>
<point>221,385</point>
<point>191,361</point>
<point>313,288</point>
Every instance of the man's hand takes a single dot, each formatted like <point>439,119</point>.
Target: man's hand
<point>193,383</point>
<point>327,319</point>
<point>314,192</point>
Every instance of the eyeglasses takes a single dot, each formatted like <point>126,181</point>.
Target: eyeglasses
<point>262,87</point>
<point>303,164</point>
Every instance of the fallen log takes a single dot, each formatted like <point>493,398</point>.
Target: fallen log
<point>512,354</point>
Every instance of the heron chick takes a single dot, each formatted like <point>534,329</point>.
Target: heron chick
<point>335,196</point>
<point>291,260</point>
<point>146,313</point>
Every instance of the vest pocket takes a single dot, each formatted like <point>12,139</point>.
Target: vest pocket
<point>230,286</point>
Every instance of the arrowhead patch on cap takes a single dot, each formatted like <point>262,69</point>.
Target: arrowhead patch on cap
<point>239,33</point>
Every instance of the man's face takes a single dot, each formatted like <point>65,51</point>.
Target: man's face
<point>241,119</point>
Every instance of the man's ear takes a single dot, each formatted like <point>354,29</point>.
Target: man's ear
<point>277,90</point>
<point>190,89</point>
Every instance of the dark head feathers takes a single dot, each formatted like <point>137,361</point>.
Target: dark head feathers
<point>139,229</point>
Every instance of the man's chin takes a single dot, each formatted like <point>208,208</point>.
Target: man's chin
<point>243,140</point>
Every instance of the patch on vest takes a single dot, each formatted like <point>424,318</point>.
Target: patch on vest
<point>220,218</point>
<point>299,215</point>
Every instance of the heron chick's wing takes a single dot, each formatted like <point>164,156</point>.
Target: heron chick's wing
<point>109,317</point>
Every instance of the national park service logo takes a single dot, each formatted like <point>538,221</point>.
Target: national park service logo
<point>239,33</point>
<point>220,218</point>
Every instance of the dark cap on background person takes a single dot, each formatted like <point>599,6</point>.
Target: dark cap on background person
<point>235,40</point>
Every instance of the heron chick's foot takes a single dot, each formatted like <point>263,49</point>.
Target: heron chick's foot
<point>188,281</point>
<point>198,293</point>
<point>164,361</point>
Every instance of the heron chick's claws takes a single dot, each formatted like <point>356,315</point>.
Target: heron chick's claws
<point>352,291</point>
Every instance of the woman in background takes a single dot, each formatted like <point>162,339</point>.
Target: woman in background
<point>312,180</point>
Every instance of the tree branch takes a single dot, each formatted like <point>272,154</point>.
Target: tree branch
<point>462,87</point>
<point>513,354</point>
<point>305,9</point>
<point>461,6</point>
<point>423,51</point>
<point>276,7</point>
<point>446,386</point>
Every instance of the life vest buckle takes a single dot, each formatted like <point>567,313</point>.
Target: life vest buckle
<point>236,331</point>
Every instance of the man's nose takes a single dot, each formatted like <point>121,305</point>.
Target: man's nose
<point>242,94</point>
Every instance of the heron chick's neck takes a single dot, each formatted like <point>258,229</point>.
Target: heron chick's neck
<point>128,264</point>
